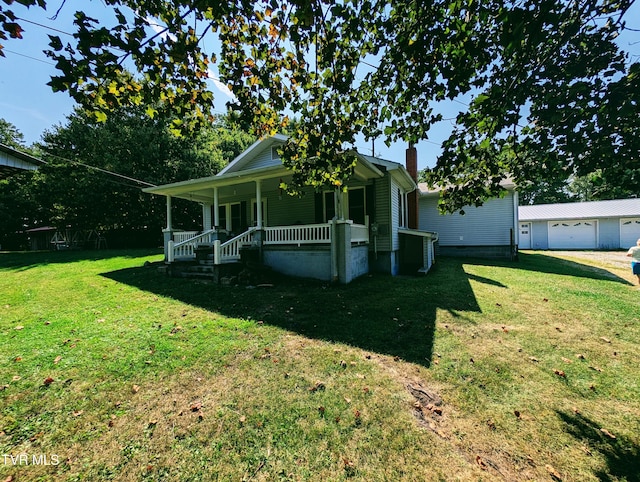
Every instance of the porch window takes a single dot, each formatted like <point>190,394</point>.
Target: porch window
<point>236,217</point>
<point>222,214</point>
<point>329,205</point>
<point>357,209</point>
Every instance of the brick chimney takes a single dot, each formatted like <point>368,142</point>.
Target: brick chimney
<point>412,197</point>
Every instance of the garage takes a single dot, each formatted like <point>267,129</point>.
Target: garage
<point>629,232</point>
<point>573,234</point>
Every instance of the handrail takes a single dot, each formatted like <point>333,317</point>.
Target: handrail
<point>186,248</point>
<point>230,250</point>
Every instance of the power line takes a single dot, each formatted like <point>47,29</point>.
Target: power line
<point>28,57</point>
<point>111,173</point>
<point>44,26</point>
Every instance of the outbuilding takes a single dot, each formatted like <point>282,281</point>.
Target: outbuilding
<point>611,224</point>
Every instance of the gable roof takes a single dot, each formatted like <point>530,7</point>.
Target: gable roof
<point>257,163</point>
<point>255,149</point>
<point>426,190</point>
<point>13,161</point>
<point>582,210</point>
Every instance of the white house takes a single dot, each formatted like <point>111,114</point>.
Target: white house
<point>585,225</point>
<point>487,231</point>
<point>330,235</point>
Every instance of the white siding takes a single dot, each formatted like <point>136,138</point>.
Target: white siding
<point>487,225</point>
<point>395,218</point>
<point>383,214</point>
<point>285,210</point>
<point>262,159</point>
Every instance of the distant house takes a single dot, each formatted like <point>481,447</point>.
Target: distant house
<point>13,161</point>
<point>487,231</point>
<point>585,225</point>
<point>328,235</point>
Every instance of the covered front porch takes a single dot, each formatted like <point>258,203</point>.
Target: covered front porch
<point>310,236</point>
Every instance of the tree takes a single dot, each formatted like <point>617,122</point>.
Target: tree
<point>10,135</point>
<point>545,77</point>
<point>91,177</point>
<point>127,148</point>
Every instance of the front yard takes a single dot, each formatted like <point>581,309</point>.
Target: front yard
<point>478,371</point>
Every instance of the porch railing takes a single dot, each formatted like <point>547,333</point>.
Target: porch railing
<point>186,247</point>
<point>180,236</point>
<point>359,233</point>
<point>304,234</point>
<point>230,250</point>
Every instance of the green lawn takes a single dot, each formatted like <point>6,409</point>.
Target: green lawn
<point>528,370</point>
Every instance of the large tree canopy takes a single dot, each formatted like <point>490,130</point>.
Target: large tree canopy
<point>548,83</point>
<point>91,179</point>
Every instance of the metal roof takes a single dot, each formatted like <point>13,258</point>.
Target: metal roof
<point>13,161</point>
<point>582,210</point>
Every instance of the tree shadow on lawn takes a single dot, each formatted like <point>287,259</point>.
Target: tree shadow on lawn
<point>387,315</point>
<point>621,455</point>
<point>541,263</point>
<point>25,260</point>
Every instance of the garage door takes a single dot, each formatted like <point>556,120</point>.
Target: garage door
<point>629,232</point>
<point>572,235</point>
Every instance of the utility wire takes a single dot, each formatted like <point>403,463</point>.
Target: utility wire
<point>105,171</point>
<point>28,57</point>
<point>44,26</point>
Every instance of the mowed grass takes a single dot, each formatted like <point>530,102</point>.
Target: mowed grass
<point>113,371</point>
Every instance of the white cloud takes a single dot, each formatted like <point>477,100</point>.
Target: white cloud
<point>220,86</point>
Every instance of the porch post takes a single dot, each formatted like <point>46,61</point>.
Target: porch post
<point>168,234</point>
<point>206,216</point>
<point>339,202</point>
<point>259,204</point>
<point>169,218</point>
<point>216,208</point>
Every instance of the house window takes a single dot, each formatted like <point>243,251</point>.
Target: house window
<point>357,209</point>
<point>236,218</point>
<point>329,202</point>
<point>222,216</point>
<point>402,209</point>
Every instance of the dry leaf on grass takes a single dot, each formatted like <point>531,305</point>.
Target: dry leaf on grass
<point>481,462</point>
<point>16,378</point>
<point>19,327</point>
<point>135,388</point>
<point>48,381</point>
<point>580,356</point>
<point>566,360</point>
<point>607,433</point>
<point>605,339</point>
<point>560,373</point>
<point>57,359</point>
<point>553,472</point>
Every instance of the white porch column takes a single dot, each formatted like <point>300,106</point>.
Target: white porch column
<point>206,216</point>
<point>216,208</point>
<point>259,204</point>
<point>339,202</point>
<point>169,218</point>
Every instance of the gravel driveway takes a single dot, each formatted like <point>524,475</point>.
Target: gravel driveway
<point>613,259</point>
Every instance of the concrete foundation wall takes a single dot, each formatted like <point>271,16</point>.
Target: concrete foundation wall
<point>304,262</point>
<point>498,252</point>
<point>359,261</point>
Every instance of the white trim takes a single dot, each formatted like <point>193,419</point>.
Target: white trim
<point>244,155</point>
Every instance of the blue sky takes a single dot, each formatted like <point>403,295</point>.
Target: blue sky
<point>28,103</point>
